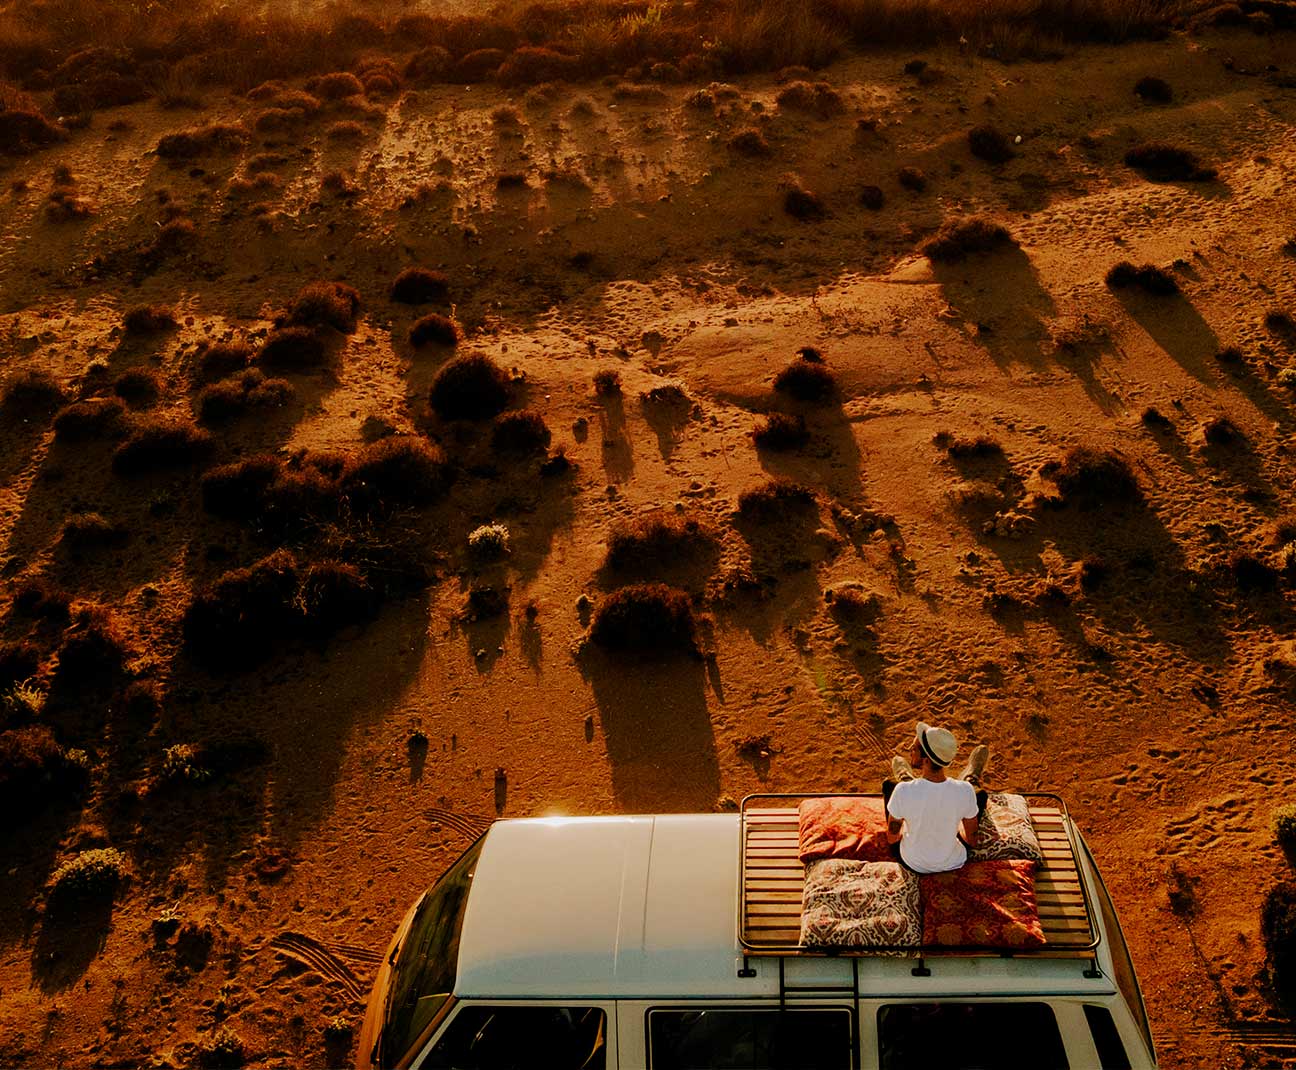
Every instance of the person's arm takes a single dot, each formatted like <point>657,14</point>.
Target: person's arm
<point>895,815</point>
<point>971,820</point>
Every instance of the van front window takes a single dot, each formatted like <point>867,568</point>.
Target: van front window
<point>424,973</point>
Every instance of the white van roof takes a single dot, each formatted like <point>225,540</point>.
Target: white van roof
<point>645,907</point>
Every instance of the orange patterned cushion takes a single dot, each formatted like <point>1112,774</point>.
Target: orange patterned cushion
<point>984,904</point>
<point>844,828</point>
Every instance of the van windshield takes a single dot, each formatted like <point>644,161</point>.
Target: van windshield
<point>424,974</point>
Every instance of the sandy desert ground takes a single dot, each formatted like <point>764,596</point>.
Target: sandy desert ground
<point>1135,656</point>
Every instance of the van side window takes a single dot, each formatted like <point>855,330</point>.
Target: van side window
<point>514,1038</point>
<point>1106,1038</point>
<point>967,1036</point>
<point>749,1038</point>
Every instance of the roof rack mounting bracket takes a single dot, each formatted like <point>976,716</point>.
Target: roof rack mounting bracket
<point>746,969</point>
<point>921,969</point>
<point>1093,971</point>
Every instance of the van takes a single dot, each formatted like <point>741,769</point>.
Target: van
<point>670,942</point>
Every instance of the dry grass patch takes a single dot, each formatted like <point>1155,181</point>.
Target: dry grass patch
<point>659,540</point>
<point>817,98</point>
<point>958,239</point>
<point>800,202</point>
<point>806,380</point>
<point>149,319</point>
<point>1090,477</point>
<point>419,286</point>
<point>1160,161</point>
<point>749,142</point>
<point>472,387</point>
<point>158,445</point>
<point>325,304</point>
<point>649,619</point>
<point>434,329</point>
<point>1153,90</point>
<point>31,392</point>
<point>92,418</point>
<point>234,397</point>
<point>292,348</point>
<point>781,432</point>
<point>777,500</point>
<point>210,140</point>
<point>523,432</point>
<point>987,143</point>
<point>1148,278</point>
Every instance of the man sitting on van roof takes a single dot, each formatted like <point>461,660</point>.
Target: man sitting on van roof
<point>926,809</point>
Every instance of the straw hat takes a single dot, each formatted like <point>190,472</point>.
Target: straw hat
<point>938,744</point>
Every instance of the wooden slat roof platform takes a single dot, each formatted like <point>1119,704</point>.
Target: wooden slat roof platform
<point>773,878</point>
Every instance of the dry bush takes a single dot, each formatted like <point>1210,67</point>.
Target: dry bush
<point>511,180</point>
<point>292,348</point>
<point>331,596</point>
<point>800,202</point>
<point>1090,477</point>
<point>209,140</point>
<point>650,619</point>
<point>1156,420</point>
<point>429,66</point>
<point>779,499</point>
<point>93,649</point>
<point>872,198</point>
<point>93,875</point>
<point>264,161</point>
<point>271,121</point>
<point>806,380</point>
<point>1251,574</point>
<point>1221,431</point>
<point>23,132</point>
<point>781,432</point>
<point>159,444</point>
<point>223,358</point>
<point>960,238</point>
<point>607,383</point>
<point>234,397</point>
<point>419,286</point>
<point>530,65</point>
<point>90,419</point>
<point>149,319</point>
<point>818,98</point>
<point>987,143</point>
<point>19,662</point>
<point>1278,927</point>
<point>83,532</point>
<point>238,620</point>
<point>1149,278</point>
<point>659,539</point>
<point>325,304</point>
<point>1162,162</point>
<point>851,605</point>
<point>480,65</point>
<point>42,599</point>
<point>1156,90</point>
<point>749,142</point>
<point>31,393</point>
<point>35,770</point>
<point>434,328</point>
<point>393,472</point>
<point>138,387</point>
<point>912,179</point>
<point>256,184</point>
<point>506,115</point>
<point>977,447</point>
<point>335,86</point>
<point>345,130</point>
<point>473,387</point>
<point>63,203</point>
<point>520,432</point>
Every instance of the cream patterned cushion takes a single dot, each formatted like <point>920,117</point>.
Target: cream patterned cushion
<point>860,904</point>
<point>1006,831</point>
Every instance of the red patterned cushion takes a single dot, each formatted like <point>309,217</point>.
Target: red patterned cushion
<point>844,828</point>
<point>984,904</point>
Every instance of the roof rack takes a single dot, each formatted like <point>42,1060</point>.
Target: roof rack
<point>772,877</point>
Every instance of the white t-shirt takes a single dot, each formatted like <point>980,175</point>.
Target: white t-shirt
<point>931,811</point>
